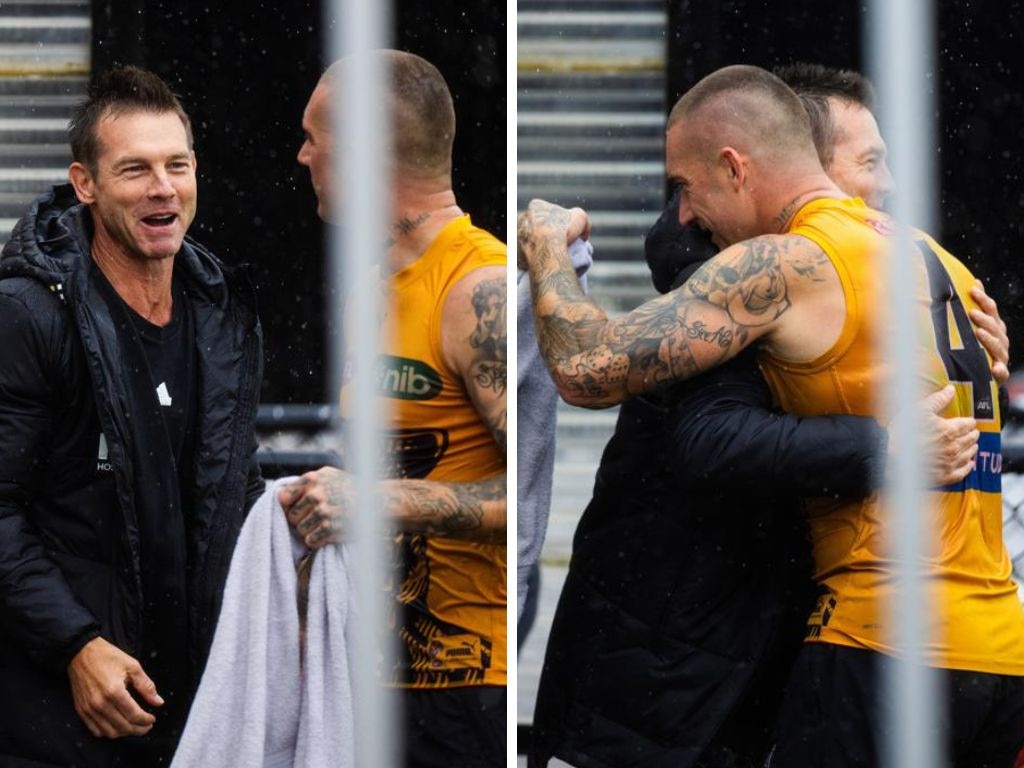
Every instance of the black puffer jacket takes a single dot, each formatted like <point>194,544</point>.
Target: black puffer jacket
<point>690,575</point>
<point>69,503</point>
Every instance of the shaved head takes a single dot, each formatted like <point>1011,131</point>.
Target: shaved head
<point>422,114</point>
<point>748,108</point>
<point>738,145</point>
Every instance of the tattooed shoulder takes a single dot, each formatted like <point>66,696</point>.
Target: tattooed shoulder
<point>807,259</point>
<point>746,280</point>
<point>488,340</point>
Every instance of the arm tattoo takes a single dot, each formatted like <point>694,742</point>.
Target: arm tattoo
<point>598,362</point>
<point>751,286</point>
<point>498,427</point>
<point>567,321</point>
<point>453,510</point>
<point>489,337</point>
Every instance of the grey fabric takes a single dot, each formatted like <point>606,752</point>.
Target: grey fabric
<point>255,706</point>
<point>535,438</point>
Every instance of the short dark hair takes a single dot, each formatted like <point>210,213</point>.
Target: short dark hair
<point>422,112</point>
<point>815,84</point>
<point>117,92</point>
<point>758,103</point>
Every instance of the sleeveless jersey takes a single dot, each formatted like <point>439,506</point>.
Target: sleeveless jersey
<point>451,594</point>
<point>978,621</point>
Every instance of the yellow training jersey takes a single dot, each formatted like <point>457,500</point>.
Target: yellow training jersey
<point>451,594</point>
<point>978,619</point>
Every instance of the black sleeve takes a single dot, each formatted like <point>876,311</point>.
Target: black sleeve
<point>255,484</point>
<point>726,434</point>
<point>38,610</point>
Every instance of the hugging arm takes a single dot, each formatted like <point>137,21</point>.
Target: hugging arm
<point>732,300</point>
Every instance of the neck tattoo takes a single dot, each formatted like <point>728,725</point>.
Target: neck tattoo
<point>785,214</point>
<point>405,226</point>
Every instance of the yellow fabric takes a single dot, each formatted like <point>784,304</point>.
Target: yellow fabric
<point>452,594</point>
<point>978,619</point>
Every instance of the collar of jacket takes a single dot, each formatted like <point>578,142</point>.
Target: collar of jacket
<point>674,251</point>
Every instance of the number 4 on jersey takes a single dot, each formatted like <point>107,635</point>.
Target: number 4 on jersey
<point>962,355</point>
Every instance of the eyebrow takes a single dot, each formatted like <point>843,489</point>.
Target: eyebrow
<point>143,161</point>
<point>129,161</point>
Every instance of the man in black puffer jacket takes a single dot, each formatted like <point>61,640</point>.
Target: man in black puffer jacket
<point>129,380</point>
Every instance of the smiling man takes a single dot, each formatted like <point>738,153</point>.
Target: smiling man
<point>132,362</point>
<point>850,147</point>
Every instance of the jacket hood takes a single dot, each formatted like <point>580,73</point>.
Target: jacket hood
<point>45,243</point>
<point>674,251</point>
<point>49,241</point>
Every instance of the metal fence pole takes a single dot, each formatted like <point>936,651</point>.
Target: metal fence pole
<point>900,39</point>
<point>356,27</point>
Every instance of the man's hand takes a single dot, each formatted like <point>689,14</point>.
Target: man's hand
<point>100,674</point>
<point>317,505</point>
<point>543,220</point>
<point>953,442</point>
<point>991,332</point>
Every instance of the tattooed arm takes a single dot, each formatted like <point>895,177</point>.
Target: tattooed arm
<point>743,294</point>
<point>474,332</point>
<point>317,506</point>
<point>473,342</point>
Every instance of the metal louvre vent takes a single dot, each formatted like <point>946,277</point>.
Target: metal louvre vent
<point>44,66</point>
<point>591,82</point>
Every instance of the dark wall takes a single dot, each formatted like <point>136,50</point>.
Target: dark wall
<point>981,72</point>
<point>245,77</point>
<point>981,109</point>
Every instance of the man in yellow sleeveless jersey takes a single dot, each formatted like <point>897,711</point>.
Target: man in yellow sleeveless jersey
<point>442,368</point>
<point>740,147</point>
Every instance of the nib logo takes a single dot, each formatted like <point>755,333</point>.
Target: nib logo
<point>407,379</point>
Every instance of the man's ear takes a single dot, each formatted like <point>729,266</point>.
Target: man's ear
<point>734,166</point>
<point>81,179</point>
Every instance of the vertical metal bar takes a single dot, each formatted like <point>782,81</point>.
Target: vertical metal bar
<point>360,131</point>
<point>901,58</point>
<point>511,456</point>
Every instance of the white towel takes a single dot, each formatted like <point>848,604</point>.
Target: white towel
<point>254,706</point>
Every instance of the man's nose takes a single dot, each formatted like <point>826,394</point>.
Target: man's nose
<point>686,214</point>
<point>303,156</point>
<point>161,185</point>
<point>885,182</point>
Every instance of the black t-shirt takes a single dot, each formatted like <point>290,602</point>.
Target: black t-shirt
<point>160,368</point>
<point>170,352</point>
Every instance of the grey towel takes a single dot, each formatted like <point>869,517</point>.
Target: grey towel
<point>255,705</point>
